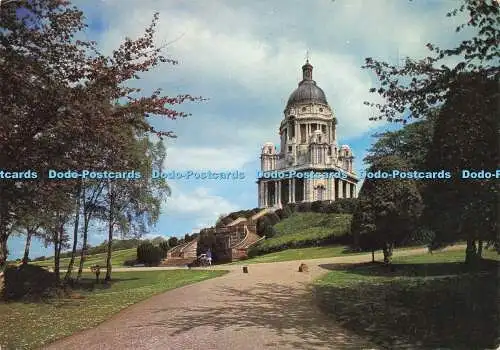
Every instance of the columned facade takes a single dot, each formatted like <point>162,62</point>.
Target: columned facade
<point>309,164</point>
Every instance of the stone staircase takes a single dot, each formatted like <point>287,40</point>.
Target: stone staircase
<point>174,262</point>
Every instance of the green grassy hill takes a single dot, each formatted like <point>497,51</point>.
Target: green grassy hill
<point>117,259</point>
<point>306,230</point>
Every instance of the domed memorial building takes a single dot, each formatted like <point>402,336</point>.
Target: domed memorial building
<point>309,165</point>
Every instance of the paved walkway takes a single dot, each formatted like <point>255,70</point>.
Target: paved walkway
<point>268,308</point>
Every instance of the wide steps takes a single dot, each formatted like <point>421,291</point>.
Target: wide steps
<point>177,262</point>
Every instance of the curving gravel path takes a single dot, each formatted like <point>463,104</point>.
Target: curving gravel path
<point>268,308</point>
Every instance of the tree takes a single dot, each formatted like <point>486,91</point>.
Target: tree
<point>411,143</point>
<point>417,87</point>
<point>173,241</point>
<point>164,248</point>
<point>465,138</point>
<point>388,209</point>
<point>91,201</point>
<point>466,133</point>
<point>64,93</point>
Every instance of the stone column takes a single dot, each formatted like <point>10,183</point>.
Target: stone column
<point>304,190</point>
<point>348,190</point>
<point>266,194</point>
<point>293,190</point>
<point>289,190</point>
<point>261,203</point>
<point>276,193</point>
<point>341,189</point>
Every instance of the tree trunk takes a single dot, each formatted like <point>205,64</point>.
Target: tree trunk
<point>480,250</point>
<point>29,234</point>
<point>373,256</point>
<point>388,247</point>
<point>86,220</point>
<point>75,231</point>
<point>3,249</point>
<point>470,251</point>
<point>57,250</point>
<point>4,236</point>
<point>110,233</point>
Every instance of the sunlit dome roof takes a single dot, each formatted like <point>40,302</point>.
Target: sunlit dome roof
<point>307,91</point>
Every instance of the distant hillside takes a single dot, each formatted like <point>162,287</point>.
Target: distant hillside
<point>117,258</point>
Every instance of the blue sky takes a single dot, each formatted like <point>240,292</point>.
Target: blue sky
<point>246,58</point>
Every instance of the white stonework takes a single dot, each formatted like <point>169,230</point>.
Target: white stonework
<point>308,143</point>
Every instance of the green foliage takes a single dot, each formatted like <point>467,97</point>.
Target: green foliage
<point>262,223</point>
<point>303,207</point>
<point>306,230</point>
<point>317,206</point>
<point>418,304</point>
<point>287,211</point>
<point>130,262</point>
<point>173,241</point>
<point>28,282</point>
<point>207,241</point>
<point>388,208</point>
<point>269,231</point>
<point>279,212</point>
<point>466,137</point>
<point>164,247</point>
<point>149,254</point>
<point>411,143</point>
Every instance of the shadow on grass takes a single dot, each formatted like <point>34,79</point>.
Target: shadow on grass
<point>267,307</point>
<point>426,306</point>
<point>412,270</point>
<point>90,284</point>
<point>34,284</point>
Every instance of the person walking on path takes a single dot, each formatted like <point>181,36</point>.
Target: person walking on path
<point>209,257</point>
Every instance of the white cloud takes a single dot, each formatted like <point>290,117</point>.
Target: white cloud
<point>200,205</point>
<point>203,158</point>
<point>249,62</point>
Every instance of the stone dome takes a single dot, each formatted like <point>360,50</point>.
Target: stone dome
<point>307,91</point>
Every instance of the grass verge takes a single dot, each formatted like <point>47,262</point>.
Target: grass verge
<point>427,301</point>
<point>298,254</point>
<point>117,259</point>
<point>302,230</point>
<point>30,325</point>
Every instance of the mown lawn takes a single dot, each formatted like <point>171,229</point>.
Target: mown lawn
<point>117,259</point>
<point>29,325</point>
<point>298,254</point>
<point>424,302</point>
<point>305,230</point>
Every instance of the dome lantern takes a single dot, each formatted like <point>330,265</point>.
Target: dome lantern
<point>307,91</point>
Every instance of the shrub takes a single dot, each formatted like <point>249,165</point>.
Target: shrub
<point>279,212</point>
<point>287,211</point>
<point>28,282</point>
<point>317,206</point>
<point>130,262</point>
<point>262,223</point>
<point>173,241</point>
<point>149,254</point>
<point>164,247</point>
<point>273,218</point>
<point>292,207</point>
<point>269,231</point>
<point>303,207</point>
